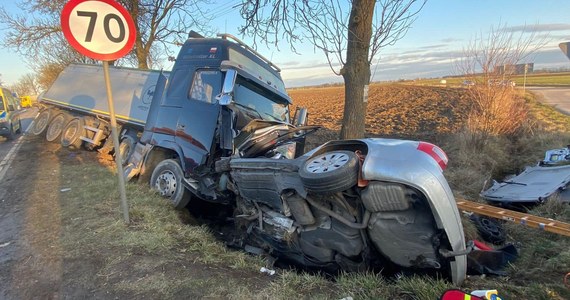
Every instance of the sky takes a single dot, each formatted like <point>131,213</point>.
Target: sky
<point>437,37</point>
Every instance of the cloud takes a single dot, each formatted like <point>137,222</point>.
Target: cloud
<point>450,40</point>
<point>411,64</point>
<point>538,27</point>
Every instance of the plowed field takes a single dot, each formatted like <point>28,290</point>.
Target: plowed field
<point>393,110</point>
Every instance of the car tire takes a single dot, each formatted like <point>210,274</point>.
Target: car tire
<point>126,148</point>
<point>490,230</point>
<point>71,134</point>
<point>56,126</point>
<point>41,122</point>
<point>330,172</point>
<point>167,179</point>
<point>11,135</point>
<point>19,127</point>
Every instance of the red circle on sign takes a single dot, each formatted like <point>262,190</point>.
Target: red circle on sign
<point>67,32</point>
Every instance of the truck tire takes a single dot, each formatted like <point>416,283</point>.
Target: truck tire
<point>56,127</point>
<point>167,179</point>
<point>126,147</point>
<point>330,172</point>
<point>41,122</point>
<point>70,137</point>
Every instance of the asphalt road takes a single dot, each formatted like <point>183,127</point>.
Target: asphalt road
<point>27,117</point>
<point>558,97</point>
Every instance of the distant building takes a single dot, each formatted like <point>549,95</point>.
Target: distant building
<point>514,69</point>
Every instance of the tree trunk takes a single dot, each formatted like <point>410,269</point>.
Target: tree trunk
<point>139,48</point>
<point>356,71</point>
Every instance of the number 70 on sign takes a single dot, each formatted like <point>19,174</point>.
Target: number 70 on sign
<point>99,29</point>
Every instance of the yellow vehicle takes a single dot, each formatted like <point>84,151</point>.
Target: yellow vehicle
<point>10,110</point>
<point>26,101</point>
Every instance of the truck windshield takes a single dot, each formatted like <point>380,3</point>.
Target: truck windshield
<point>249,94</point>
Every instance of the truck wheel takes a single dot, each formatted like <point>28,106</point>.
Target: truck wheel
<point>330,172</point>
<point>167,180</point>
<point>56,127</point>
<point>70,137</point>
<point>41,122</point>
<point>126,147</point>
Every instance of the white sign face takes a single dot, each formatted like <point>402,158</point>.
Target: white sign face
<point>100,29</point>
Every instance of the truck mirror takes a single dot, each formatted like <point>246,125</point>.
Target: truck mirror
<point>10,107</point>
<point>229,81</point>
<point>300,117</point>
<point>224,99</point>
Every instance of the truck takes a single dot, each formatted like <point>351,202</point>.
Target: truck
<point>219,129</point>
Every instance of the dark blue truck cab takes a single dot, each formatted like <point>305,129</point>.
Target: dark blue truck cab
<point>217,86</point>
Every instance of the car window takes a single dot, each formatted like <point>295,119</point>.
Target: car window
<point>206,85</point>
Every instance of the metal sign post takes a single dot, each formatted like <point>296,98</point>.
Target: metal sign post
<point>103,30</point>
<point>115,136</point>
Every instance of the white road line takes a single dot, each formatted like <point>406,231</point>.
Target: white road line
<point>5,163</point>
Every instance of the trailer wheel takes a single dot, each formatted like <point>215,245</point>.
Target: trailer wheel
<point>126,147</point>
<point>56,127</point>
<point>167,180</point>
<point>41,122</point>
<point>71,135</point>
<point>330,172</point>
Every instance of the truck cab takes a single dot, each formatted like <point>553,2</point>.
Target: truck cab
<point>217,87</point>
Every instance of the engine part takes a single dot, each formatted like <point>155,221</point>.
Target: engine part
<point>300,209</point>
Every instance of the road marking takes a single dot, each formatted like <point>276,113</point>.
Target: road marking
<point>5,163</point>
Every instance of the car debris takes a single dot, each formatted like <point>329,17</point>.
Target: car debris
<point>556,156</point>
<point>267,271</point>
<point>537,183</point>
<point>534,185</point>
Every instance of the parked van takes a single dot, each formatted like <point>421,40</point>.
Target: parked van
<point>26,101</point>
<point>10,109</point>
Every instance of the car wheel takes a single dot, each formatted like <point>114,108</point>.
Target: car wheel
<point>11,135</point>
<point>71,135</point>
<point>167,180</point>
<point>41,122</point>
<point>489,229</point>
<point>19,127</point>
<point>56,127</point>
<point>330,172</point>
<point>126,148</point>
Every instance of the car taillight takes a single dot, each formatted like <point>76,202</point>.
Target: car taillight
<point>435,152</point>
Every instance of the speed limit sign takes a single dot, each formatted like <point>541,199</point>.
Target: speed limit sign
<point>99,29</point>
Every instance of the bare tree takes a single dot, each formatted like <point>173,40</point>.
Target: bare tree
<point>36,33</point>
<point>47,74</point>
<point>489,65</point>
<point>349,34</point>
<point>26,85</point>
